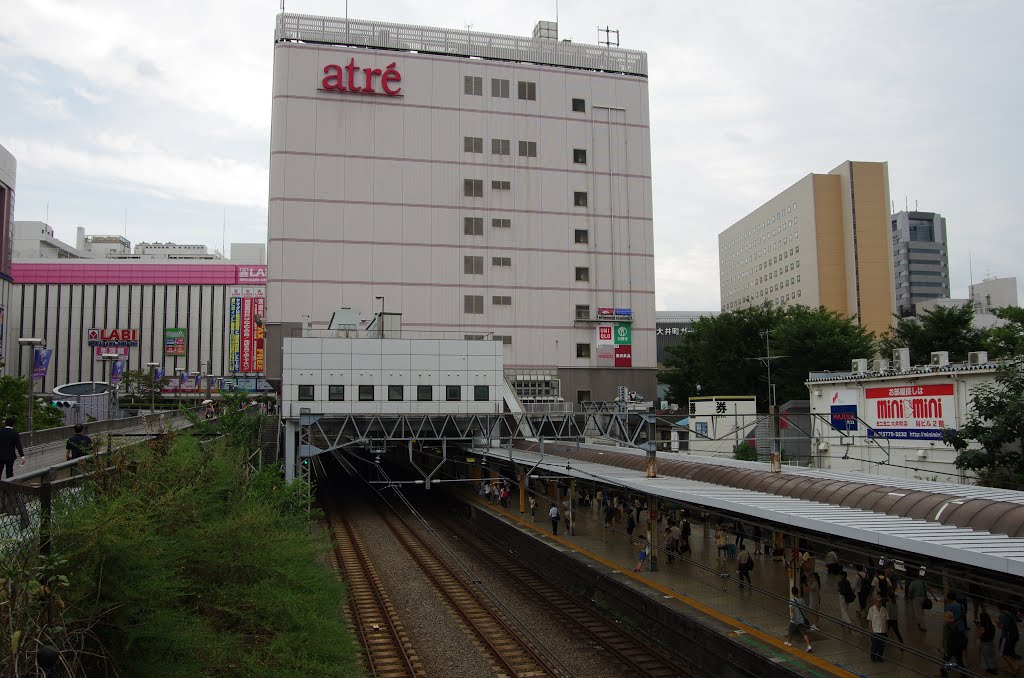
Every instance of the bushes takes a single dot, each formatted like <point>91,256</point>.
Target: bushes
<point>744,452</point>
<point>186,568</point>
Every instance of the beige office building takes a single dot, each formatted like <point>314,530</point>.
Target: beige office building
<point>824,241</point>
<point>481,185</point>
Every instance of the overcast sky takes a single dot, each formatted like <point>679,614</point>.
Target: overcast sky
<point>161,110</point>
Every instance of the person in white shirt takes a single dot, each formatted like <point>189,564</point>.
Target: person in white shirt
<point>553,514</point>
<point>797,620</point>
<point>878,621</point>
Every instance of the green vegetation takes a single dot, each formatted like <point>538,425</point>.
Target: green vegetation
<point>181,564</point>
<point>14,403</point>
<point>744,452</point>
<point>940,329</point>
<point>720,352</point>
<point>996,421</point>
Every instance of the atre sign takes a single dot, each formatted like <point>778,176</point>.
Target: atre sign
<point>352,78</point>
<point>112,337</point>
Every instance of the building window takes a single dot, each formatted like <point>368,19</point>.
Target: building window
<point>473,303</point>
<point>582,274</point>
<point>499,88</point>
<point>473,226</point>
<point>473,188</point>
<point>501,185</point>
<point>473,265</point>
<point>505,339</point>
<point>501,301</point>
<point>336,392</point>
<point>501,223</point>
<point>424,393</point>
<point>365,392</point>
<point>396,392</point>
<point>583,396</point>
<point>527,90</point>
<point>307,392</point>
<point>579,156</point>
<point>582,236</point>
<point>473,144</point>
<point>579,198</point>
<point>473,86</point>
<point>582,312</point>
<point>582,350</point>
<point>481,393</point>
<point>528,149</point>
<point>579,106</point>
<point>453,393</point>
<point>501,147</point>
<point>501,261</point>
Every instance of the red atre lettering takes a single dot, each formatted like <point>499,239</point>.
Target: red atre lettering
<point>343,79</point>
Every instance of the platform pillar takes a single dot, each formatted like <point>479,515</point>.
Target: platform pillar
<point>290,434</point>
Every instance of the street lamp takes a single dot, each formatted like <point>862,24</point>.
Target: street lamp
<point>380,318</point>
<point>31,342</point>
<point>152,386</point>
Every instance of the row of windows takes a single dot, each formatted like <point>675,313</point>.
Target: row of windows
<point>475,226</point>
<point>474,188</point>
<point>396,392</point>
<point>473,85</point>
<point>474,265</point>
<point>505,339</point>
<point>527,149</point>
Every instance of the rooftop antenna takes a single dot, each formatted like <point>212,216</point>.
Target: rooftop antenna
<point>126,222</point>
<point>906,204</point>
<point>607,41</point>
<point>223,233</point>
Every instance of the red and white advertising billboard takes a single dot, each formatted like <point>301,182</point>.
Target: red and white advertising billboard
<point>624,356</point>
<point>245,337</point>
<point>909,411</point>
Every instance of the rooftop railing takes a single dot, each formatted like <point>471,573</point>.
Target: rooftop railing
<point>354,32</point>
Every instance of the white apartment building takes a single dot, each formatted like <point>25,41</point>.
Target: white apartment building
<point>481,185</point>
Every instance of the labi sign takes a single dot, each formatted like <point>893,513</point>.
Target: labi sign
<point>352,78</point>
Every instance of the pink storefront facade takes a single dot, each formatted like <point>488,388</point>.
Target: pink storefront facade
<point>195,317</point>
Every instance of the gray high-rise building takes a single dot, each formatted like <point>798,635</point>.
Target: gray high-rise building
<point>920,259</point>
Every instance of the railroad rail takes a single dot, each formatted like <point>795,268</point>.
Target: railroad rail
<point>387,649</point>
<point>637,656</point>
<point>510,652</point>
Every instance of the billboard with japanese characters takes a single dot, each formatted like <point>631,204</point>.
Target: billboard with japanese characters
<point>910,411</point>
<point>245,334</point>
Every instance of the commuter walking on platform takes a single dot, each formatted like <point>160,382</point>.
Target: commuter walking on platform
<point>79,444</point>
<point>1009,636</point>
<point>757,540</point>
<point>721,545</point>
<point>744,564</point>
<point>878,623</point>
<point>892,609</point>
<point>832,565</point>
<point>630,526</point>
<point>609,515</point>
<point>676,535</point>
<point>814,598</point>
<point>553,514</point>
<point>953,643</point>
<point>797,620</point>
<point>917,595</point>
<point>987,643</point>
<point>642,556</point>
<point>487,492</point>
<point>861,587</point>
<point>10,447</point>
<point>846,596</point>
<point>533,508</point>
<point>684,545</point>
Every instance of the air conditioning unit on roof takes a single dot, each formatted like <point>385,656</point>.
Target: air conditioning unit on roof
<point>901,359</point>
<point>977,358</point>
<point>881,365</point>
<point>940,358</point>
<point>859,365</point>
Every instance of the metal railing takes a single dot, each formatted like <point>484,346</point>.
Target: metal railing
<point>62,433</point>
<point>341,31</point>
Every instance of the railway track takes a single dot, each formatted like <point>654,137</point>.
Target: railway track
<point>387,649</point>
<point>637,656</point>
<point>510,652</point>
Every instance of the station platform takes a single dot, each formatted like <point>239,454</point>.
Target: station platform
<point>757,614</point>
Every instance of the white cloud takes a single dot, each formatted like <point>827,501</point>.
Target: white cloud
<point>149,169</point>
<point>40,104</point>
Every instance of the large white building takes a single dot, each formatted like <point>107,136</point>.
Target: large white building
<point>8,172</point>
<point>481,185</point>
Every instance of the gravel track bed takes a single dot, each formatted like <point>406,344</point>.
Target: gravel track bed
<point>443,647</point>
<point>579,657</point>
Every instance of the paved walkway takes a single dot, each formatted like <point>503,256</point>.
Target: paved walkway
<point>756,615</point>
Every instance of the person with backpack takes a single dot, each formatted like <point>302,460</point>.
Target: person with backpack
<point>953,643</point>
<point>797,620</point>
<point>917,595</point>
<point>846,596</point>
<point>958,610</point>
<point>861,588</point>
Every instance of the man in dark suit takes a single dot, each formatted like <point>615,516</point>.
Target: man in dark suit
<point>10,447</point>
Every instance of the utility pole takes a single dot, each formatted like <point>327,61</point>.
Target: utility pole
<point>776,459</point>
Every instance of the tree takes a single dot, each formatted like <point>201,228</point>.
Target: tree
<point>1006,340</point>
<point>14,403</point>
<point>939,329</point>
<point>720,353</point>
<point>139,384</point>
<point>996,422</point>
